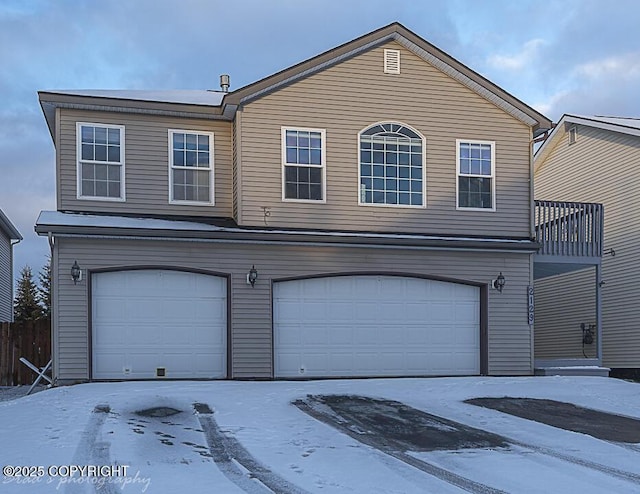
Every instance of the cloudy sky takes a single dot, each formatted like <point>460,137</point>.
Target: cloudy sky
<point>559,56</point>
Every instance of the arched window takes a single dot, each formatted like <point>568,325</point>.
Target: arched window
<point>391,165</point>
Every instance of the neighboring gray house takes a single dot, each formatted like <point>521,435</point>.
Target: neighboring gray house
<point>349,216</point>
<point>9,236</point>
<point>594,159</point>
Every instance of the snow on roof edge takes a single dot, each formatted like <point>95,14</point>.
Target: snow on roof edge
<point>202,97</point>
<point>56,218</point>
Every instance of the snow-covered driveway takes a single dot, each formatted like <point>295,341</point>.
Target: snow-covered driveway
<point>228,437</point>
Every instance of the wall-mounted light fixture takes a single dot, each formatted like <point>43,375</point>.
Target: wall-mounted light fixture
<point>252,276</point>
<point>76,272</point>
<point>499,282</point>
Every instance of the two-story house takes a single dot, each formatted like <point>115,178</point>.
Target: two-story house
<point>9,236</point>
<point>367,212</point>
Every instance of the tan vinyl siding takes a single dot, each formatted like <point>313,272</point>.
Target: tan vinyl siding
<point>6,278</point>
<point>352,95</point>
<point>146,164</point>
<point>562,303</point>
<point>602,166</point>
<point>250,317</point>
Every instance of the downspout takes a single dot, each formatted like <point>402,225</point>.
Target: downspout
<point>52,272</point>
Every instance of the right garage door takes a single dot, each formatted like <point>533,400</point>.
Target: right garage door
<point>345,326</point>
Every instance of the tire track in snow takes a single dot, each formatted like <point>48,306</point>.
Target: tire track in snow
<point>438,472</point>
<point>90,451</point>
<point>236,463</point>
<point>612,471</point>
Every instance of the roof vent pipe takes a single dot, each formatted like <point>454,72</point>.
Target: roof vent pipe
<point>224,83</point>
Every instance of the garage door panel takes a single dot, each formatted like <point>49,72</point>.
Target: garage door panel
<point>363,335</point>
<point>467,312</point>
<point>375,326</point>
<point>390,361</point>
<point>313,334</point>
<point>287,310</point>
<point>145,319</point>
<point>416,335</point>
<point>441,311</point>
<point>340,335</point>
<point>364,311</point>
<point>315,362</point>
<point>109,309</point>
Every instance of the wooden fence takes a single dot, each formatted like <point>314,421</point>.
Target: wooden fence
<point>28,339</point>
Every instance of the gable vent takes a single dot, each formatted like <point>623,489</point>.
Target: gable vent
<point>392,61</point>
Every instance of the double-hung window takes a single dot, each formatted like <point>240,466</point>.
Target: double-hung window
<point>392,166</point>
<point>303,164</point>
<point>476,175</point>
<point>191,167</point>
<point>100,150</point>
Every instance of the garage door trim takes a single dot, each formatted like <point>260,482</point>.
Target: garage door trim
<point>484,305</point>
<point>91,272</point>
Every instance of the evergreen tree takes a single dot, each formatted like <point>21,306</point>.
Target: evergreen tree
<point>25,305</point>
<point>44,290</point>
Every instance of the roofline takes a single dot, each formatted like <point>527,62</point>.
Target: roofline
<point>238,234</point>
<point>568,118</point>
<point>596,122</point>
<point>397,32</point>
<point>50,100</point>
<point>8,227</point>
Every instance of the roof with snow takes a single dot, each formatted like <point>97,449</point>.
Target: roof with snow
<point>60,223</point>
<point>178,96</point>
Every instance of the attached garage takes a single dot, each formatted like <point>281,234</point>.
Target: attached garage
<point>365,325</point>
<point>158,323</point>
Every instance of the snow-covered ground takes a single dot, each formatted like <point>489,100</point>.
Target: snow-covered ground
<point>96,424</point>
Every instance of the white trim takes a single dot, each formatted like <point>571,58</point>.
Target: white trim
<point>210,169</point>
<point>424,169</point>
<point>79,162</point>
<point>322,166</point>
<point>573,134</point>
<point>492,176</point>
<point>391,61</point>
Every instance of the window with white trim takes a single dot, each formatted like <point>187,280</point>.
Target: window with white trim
<point>303,164</point>
<point>475,174</point>
<point>392,168</point>
<point>573,134</point>
<point>191,167</point>
<point>100,151</point>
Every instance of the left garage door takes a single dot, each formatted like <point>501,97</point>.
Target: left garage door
<point>147,321</point>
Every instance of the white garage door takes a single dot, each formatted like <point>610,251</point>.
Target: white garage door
<point>375,326</point>
<point>145,320</point>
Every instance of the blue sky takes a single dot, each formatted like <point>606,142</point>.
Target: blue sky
<point>559,56</point>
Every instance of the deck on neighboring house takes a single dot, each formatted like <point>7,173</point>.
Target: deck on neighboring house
<point>570,235</point>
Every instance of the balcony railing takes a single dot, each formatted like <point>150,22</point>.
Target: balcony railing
<point>569,228</point>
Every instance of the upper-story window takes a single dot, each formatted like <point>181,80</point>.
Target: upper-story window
<point>392,166</point>
<point>191,167</point>
<point>303,164</point>
<point>100,150</point>
<point>476,174</point>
